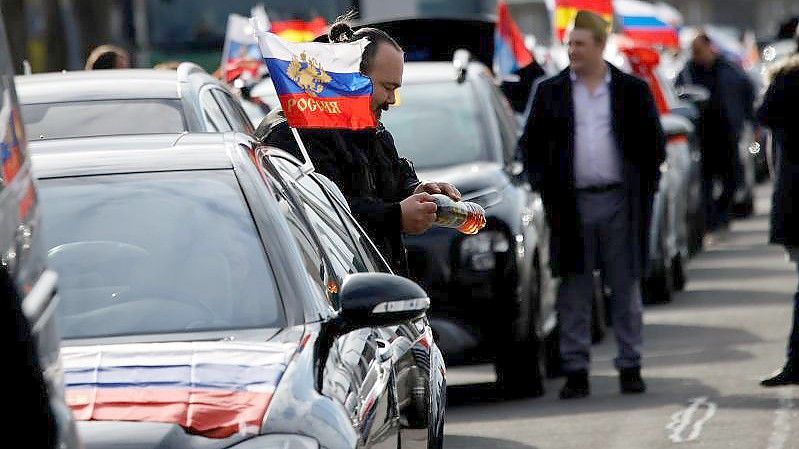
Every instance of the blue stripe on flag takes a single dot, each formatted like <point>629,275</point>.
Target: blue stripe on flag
<point>642,22</point>
<point>341,84</point>
<point>503,56</point>
<point>209,376</point>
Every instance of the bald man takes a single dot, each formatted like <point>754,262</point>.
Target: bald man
<point>594,145</point>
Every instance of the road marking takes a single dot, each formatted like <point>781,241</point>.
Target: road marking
<point>783,417</point>
<point>681,420</point>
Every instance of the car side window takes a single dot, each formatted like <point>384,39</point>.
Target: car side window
<point>333,235</point>
<point>372,256</point>
<point>505,118</point>
<point>212,113</point>
<point>233,111</point>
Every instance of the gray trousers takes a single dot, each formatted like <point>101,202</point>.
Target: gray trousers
<point>606,227</point>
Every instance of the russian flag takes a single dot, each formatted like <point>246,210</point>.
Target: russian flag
<point>640,22</point>
<point>319,84</point>
<point>510,54</point>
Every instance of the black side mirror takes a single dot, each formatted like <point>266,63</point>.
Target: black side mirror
<point>379,299</point>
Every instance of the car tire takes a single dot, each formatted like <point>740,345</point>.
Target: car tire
<point>599,322</point>
<point>678,273</point>
<point>517,375</point>
<point>746,208</point>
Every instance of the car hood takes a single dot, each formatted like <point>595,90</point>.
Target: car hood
<point>213,389</point>
<point>477,181</point>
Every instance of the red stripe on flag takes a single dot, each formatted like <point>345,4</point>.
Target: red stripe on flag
<point>512,36</point>
<point>305,111</point>
<point>211,413</point>
<point>665,37</point>
<point>597,6</point>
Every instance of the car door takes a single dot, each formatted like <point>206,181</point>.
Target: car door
<point>417,365</point>
<point>358,371</point>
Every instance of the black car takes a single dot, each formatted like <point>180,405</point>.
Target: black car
<point>125,102</point>
<point>493,293</point>
<point>215,296</point>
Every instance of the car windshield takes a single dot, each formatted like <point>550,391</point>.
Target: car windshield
<point>156,253</point>
<point>102,118</point>
<point>437,125</point>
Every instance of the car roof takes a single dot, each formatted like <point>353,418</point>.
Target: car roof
<point>430,72</point>
<point>87,85</point>
<point>131,154</point>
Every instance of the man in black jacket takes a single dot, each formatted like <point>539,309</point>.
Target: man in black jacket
<point>594,145</point>
<point>384,194</point>
<point>721,124</point>
<point>778,112</point>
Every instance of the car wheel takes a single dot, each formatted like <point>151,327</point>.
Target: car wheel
<point>678,273</point>
<point>745,208</point>
<point>599,323</point>
<point>517,374</point>
<point>657,288</point>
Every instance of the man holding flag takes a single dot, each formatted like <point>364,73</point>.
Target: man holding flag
<point>336,92</point>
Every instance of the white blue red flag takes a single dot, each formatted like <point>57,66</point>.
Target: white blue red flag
<point>319,84</point>
<point>642,22</point>
<point>240,55</point>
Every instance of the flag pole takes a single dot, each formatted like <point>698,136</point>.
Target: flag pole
<point>307,166</point>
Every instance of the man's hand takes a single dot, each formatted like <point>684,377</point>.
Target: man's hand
<point>439,187</point>
<point>418,213</point>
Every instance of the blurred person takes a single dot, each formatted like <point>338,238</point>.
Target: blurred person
<point>593,145</point>
<point>721,124</point>
<point>108,57</point>
<point>383,191</point>
<point>32,407</point>
<point>778,112</point>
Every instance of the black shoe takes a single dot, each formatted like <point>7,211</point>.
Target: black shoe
<point>576,386</point>
<point>787,376</point>
<point>631,382</point>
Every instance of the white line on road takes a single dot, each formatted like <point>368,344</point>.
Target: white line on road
<point>681,420</point>
<point>782,420</point>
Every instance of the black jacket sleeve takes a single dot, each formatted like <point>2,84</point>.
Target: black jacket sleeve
<point>532,155</point>
<point>772,111</point>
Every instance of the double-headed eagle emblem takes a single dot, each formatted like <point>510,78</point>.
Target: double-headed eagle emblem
<point>308,74</point>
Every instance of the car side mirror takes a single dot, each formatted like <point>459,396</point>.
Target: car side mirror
<point>379,299</point>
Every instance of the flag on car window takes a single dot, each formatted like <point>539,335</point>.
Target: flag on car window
<point>319,84</point>
<point>510,53</point>
<point>564,11</point>
<point>240,55</point>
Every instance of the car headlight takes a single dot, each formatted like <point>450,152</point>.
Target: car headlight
<point>478,251</point>
<point>279,441</point>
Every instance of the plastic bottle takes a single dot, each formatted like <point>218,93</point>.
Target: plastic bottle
<point>465,216</point>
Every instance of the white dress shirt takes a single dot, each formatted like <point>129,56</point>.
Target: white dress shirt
<point>597,161</point>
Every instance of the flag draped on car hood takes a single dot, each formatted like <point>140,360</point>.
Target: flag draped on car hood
<point>319,84</point>
<point>213,389</point>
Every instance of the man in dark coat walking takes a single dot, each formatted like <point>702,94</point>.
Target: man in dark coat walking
<point>382,189</point>
<point>594,145</point>
<point>779,113</point>
<point>721,124</point>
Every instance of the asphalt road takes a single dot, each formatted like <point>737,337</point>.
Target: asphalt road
<point>704,355</point>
